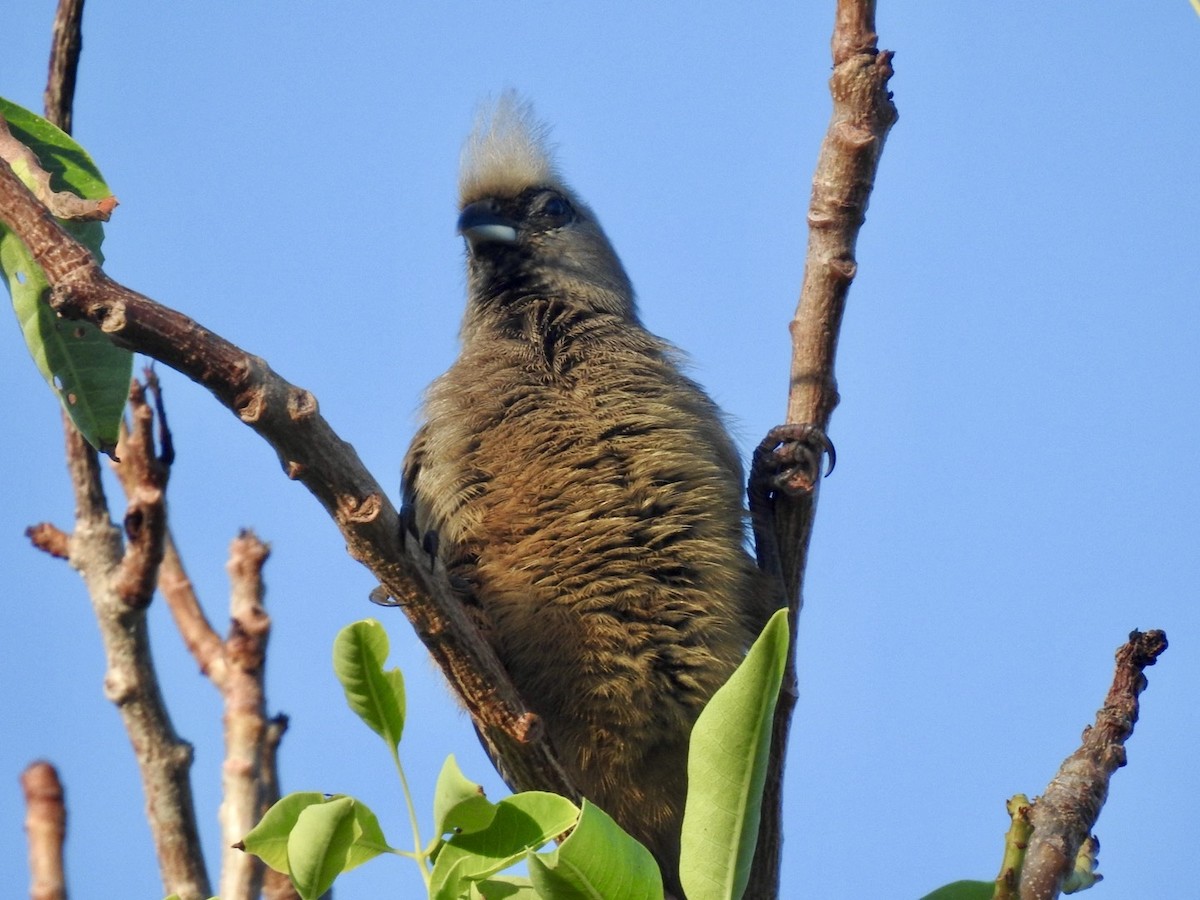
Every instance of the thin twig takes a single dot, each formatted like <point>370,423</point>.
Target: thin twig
<point>49,539</point>
<point>46,831</point>
<point>245,717</point>
<point>119,584</point>
<point>65,49</point>
<point>173,583</point>
<point>863,113</point>
<point>46,816</point>
<point>236,666</point>
<point>198,635</point>
<point>1063,817</point>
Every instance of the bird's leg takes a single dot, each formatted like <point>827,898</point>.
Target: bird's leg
<point>409,538</point>
<point>786,462</point>
<point>409,533</point>
<point>790,457</point>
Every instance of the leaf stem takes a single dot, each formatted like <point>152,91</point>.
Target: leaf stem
<point>419,853</point>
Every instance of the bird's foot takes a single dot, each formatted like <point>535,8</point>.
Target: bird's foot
<point>788,460</point>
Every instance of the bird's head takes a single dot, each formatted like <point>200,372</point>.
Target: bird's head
<point>528,235</point>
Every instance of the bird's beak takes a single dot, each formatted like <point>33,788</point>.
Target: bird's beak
<point>480,224</point>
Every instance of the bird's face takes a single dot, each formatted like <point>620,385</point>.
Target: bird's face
<point>532,217</point>
<point>541,242</point>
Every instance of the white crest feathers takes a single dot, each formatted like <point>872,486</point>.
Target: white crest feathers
<point>507,152</point>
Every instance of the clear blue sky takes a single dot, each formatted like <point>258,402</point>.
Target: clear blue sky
<point>1017,484</point>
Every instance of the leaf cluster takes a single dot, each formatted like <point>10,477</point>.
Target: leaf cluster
<point>476,843</point>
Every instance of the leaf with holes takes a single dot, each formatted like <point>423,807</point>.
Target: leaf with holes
<point>459,804</point>
<point>87,372</point>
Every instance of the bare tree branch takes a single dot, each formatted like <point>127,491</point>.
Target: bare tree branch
<point>245,717</point>
<point>198,635</point>
<point>312,453</point>
<point>236,666</point>
<point>46,830</point>
<point>49,539</point>
<point>1063,817</point>
<point>145,481</point>
<point>863,113</point>
<point>65,49</point>
<point>120,584</point>
<point>173,583</point>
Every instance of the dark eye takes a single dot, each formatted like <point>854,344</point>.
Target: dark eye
<point>557,210</point>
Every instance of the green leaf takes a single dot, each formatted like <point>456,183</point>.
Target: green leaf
<point>459,804</point>
<point>523,822</point>
<point>504,888</point>
<point>598,860</point>
<point>727,767</point>
<point>551,884</point>
<point>369,841</point>
<point>318,844</point>
<point>87,372</point>
<point>963,890</point>
<point>270,839</point>
<point>376,696</point>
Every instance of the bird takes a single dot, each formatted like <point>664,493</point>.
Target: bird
<point>585,493</point>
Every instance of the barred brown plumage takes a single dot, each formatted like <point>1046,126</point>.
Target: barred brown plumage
<point>584,491</point>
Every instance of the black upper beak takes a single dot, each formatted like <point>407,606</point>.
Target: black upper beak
<point>479,223</point>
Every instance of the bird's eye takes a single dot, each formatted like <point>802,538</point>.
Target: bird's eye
<point>557,209</point>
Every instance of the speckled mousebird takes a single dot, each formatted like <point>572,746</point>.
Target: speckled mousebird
<point>584,491</point>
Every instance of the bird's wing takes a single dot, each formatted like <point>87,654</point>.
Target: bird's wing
<point>410,513</point>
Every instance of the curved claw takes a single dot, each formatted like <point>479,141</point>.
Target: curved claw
<point>831,452</point>
<point>380,597</point>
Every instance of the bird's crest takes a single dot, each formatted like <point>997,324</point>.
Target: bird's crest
<point>507,152</point>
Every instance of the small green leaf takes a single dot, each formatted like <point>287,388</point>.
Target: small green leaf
<point>523,822</point>
<point>459,804</point>
<point>318,845</point>
<point>268,839</point>
<point>727,767</point>
<point>376,696</point>
<point>597,860</point>
<point>87,372</point>
<point>963,890</point>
